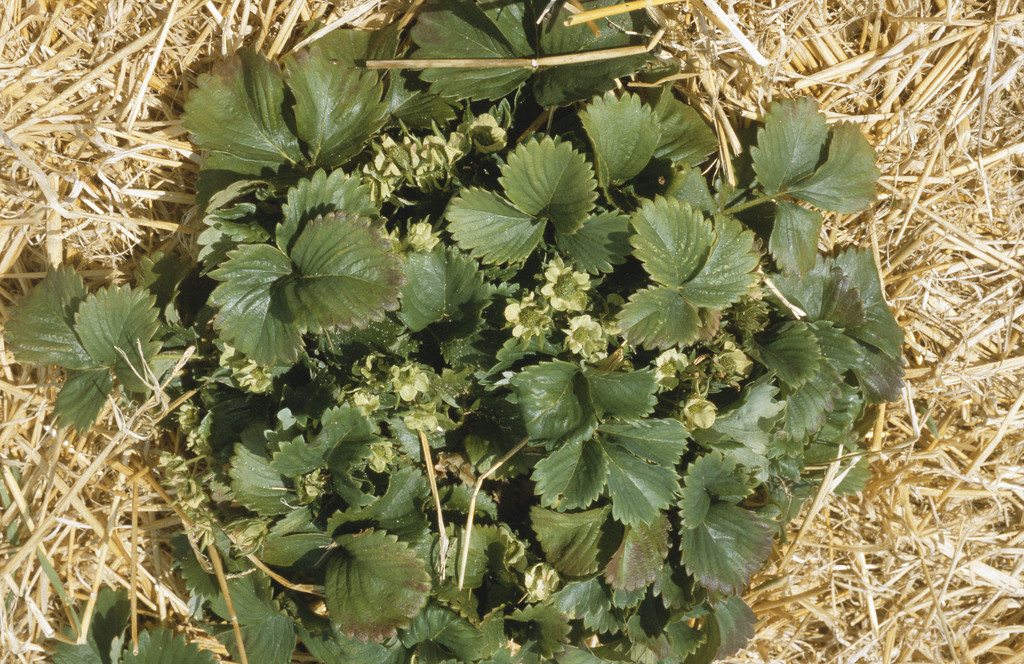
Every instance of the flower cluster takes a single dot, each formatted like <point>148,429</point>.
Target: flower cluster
<point>528,317</point>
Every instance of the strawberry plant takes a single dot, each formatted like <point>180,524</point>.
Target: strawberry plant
<point>469,390</point>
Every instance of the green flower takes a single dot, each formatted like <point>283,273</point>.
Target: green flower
<point>566,289</point>
<point>586,337</point>
<point>422,237</point>
<point>542,580</point>
<point>528,318</point>
<point>485,134</point>
<point>698,413</point>
<point>250,376</point>
<point>667,368</point>
<point>409,382</point>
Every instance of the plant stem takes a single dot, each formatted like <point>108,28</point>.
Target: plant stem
<point>763,198</point>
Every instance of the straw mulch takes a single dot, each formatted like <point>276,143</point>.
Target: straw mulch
<point>926,565</point>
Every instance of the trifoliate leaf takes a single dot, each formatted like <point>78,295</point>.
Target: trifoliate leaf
<point>549,179</point>
<point>640,557</point>
<point>438,634</point>
<point>374,585</point>
<point>161,646</point>
<point>399,511</point>
<point>602,241</point>
<point>410,103</point>
<point>42,327</point>
<point>326,644</point>
<point>271,634</point>
<point>237,109</point>
<point>446,287</point>
<point>588,601</point>
<point>103,641</point>
<point>346,274</point>
<point>449,29</point>
<point>226,229</point>
<point>806,407</point>
<point>256,484</point>
<point>337,107</point>
<point>642,456</point>
<point>297,457</point>
<point>825,293</point>
<point>120,319</point>
<point>794,239</point>
<point>790,350</point>
<point>565,84</point>
<point>728,273</point>
<point>624,133</point>
<point>689,185</point>
<point>575,543</point>
<point>749,421</point>
<point>880,377</point>
<point>711,476</point>
<point>791,144</point>
<point>554,402</point>
<point>731,544</point>
<point>623,395</point>
<point>572,476</point>
<point>319,195</point>
<point>735,625</point>
<point>542,631</point>
<point>685,136</point>
<point>82,397</point>
<point>493,550</point>
<point>254,315</point>
<point>672,240</point>
<point>491,228</point>
<point>879,328</point>
<point>846,181</point>
<point>348,433</point>
<point>299,549</point>
<point>659,318</point>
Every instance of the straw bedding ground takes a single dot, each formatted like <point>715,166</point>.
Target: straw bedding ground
<point>926,565</point>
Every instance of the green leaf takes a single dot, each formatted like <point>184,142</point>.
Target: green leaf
<point>265,630</point>
<point>120,319</point>
<point>659,318</point>
<point>161,646</point>
<point>82,397</point>
<point>735,626</point>
<point>689,184</point>
<point>791,350</point>
<point>672,240</point>
<point>296,457</point>
<point>438,634</point>
<point>449,29</point>
<point>846,181</point>
<point>794,239</point>
<point>256,484</point>
<point>642,457</point>
<point>346,274</point>
<point>575,543</point>
<point>626,396</point>
<point>254,316</point>
<point>640,557</point>
<point>685,136</point>
<point>494,550</point>
<point>337,107</point>
<point>554,402</point>
<point>443,286</point>
<point>399,511</point>
<point>624,133</point>
<point>544,633</point>
<point>319,195</point>
<point>287,550</point>
<point>790,145</point>
<point>237,110</point>
<point>491,228</point>
<point>728,273</point>
<point>749,421</point>
<point>550,179</point>
<point>374,585</point>
<point>731,544</point>
<point>602,241</point>
<point>348,433</point>
<point>42,327</point>
<point>879,328</point>
<point>564,84</point>
<point>712,476</point>
<point>806,407</point>
<point>572,476</point>
<point>104,640</point>
<point>588,601</point>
